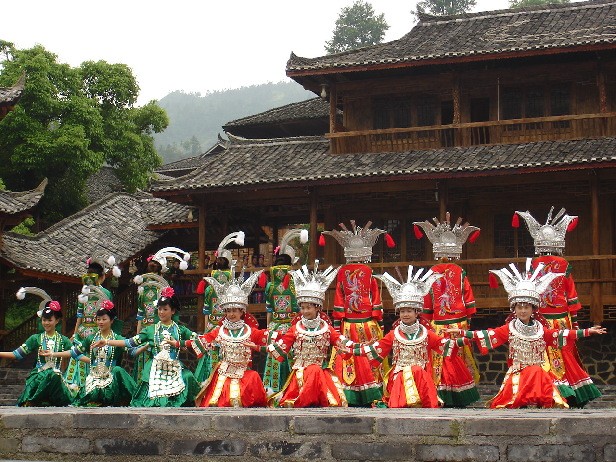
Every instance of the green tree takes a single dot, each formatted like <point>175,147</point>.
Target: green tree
<point>357,26</point>
<point>69,123</point>
<point>444,7</point>
<point>523,3</point>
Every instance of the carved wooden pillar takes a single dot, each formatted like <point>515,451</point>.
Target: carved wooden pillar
<point>596,302</point>
<point>201,264</point>
<point>443,196</point>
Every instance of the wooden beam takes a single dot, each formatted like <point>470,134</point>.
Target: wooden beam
<point>333,99</point>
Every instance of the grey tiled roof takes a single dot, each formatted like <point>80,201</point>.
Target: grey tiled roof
<point>183,166</point>
<point>485,33</point>
<point>102,183</point>
<point>307,159</point>
<point>116,225</point>
<point>16,202</point>
<point>313,108</point>
<point>10,95</point>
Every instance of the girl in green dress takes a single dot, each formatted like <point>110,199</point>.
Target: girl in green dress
<point>45,386</point>
<point>164,381</point>
<point>107,384</point>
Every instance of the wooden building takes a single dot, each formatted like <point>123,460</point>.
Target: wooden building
<point>10,96</point>
<point>478,114</point>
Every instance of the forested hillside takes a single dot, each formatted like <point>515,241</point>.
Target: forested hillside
<point>195,120</point>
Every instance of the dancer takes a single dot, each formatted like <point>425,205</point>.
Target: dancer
<point>149,288</point>
<point>358,313</point>
<point>409,381</point>
<point>211,309</point>
<point>45,385</point>
<point>559,304</point>
<point>107,384</point>
<point>90,301</point>
<point>281,306</point>
<point>451,304</point>
<point>311,382</point>
<point>526,382</point>
<point>232,383</point>
<point>164,381</point>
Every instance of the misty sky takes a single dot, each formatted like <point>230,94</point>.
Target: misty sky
<point>194,46</point>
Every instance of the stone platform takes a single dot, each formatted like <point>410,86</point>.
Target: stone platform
<point>456,435</point>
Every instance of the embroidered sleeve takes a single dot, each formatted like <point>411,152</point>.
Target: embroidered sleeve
<point>428,308</point>
<point>559,338</point>
<point>280,348</point>
<point>31,344</point>
<point>469,297</point>
<point>139,339</point>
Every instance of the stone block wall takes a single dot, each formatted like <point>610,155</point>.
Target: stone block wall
<point>345,435</point>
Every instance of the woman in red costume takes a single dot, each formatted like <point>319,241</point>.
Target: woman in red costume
<point>311,383</point>
<point>358,313</point>
<point>527,382</point>
<point>232,383</point>
<point>559,304</point>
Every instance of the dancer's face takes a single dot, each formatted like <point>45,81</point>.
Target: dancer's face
<point>408,315</point>
<point>234,314</point>
<point>49,324</point>
<point>165,312</point>
<point>523,311</point>
<point>103,322</point>
<point>309,310</point>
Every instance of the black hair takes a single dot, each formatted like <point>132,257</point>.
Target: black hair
<point>154,267</point>
<point>173,302</point>
<point>222,266</point>
<point>96,268</point>
<point>282,259</point>
<point>111,313</point>
<point>48,312</point>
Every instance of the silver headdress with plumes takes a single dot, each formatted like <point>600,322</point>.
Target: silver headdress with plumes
<point>447,240</point>
<point>234,292</point>
<point>94,293</point>
<point>223,252</point>
<point>152,280</point>
<point>106,262</point>
<point>412,292</point>
<point>310,287</point>
<point>21,294</point>
<point>285,245</point>
<point>357,243</point>
<point>173,253</point>
<point>525,287</point>
<point>550,237</point>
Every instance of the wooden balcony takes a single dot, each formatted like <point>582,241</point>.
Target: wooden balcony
<point>513,131</point>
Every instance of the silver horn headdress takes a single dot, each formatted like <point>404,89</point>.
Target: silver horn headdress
<point>447,240</point>
<point>358,243</point>
<point>234,292</point>
<point>287,248</point>
<point>223,252</point>
<point>310,287</point>
<point>412,292</point>
<point>525,287</point>
<point>550,237</point>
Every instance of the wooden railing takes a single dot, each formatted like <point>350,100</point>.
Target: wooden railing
<point>493,301</point>
<point>513,131</point>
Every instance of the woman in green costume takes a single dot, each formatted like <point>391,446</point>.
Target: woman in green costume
<point>150,286</point>
<point>281,307</point>
<point>107,384</point>
<point>164,381</point>
<point>45,386</point>
<point>89,302</point>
